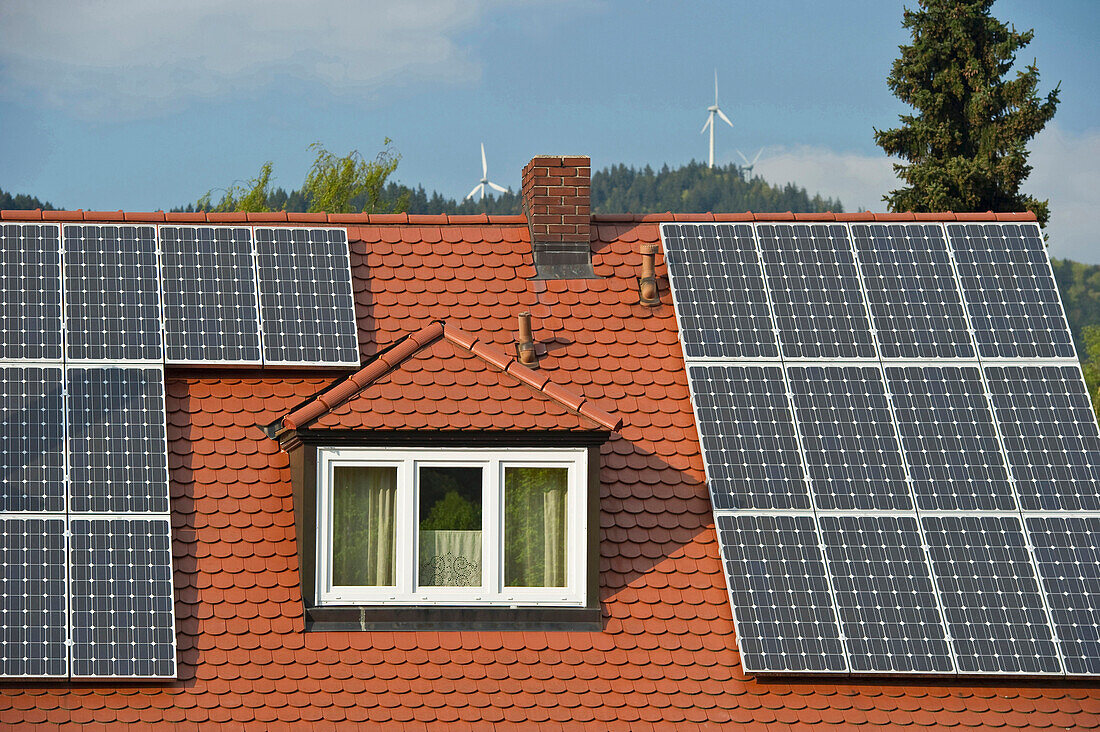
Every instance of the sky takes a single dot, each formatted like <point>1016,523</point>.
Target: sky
<point>148,104</point>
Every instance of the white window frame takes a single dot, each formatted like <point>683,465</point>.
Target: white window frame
<point>493,462</point>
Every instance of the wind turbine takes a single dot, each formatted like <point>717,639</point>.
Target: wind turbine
<point>711,111</point>
<point>484,180</point>
<point>747,167</point>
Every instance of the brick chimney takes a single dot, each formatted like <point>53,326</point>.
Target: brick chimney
<point>557,201</point>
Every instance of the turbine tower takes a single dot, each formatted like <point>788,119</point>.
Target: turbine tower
<point>747,167</point>
<point>711,111</point>
<point>484,180</point>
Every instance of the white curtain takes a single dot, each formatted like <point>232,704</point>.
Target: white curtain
<point>534,526</point>
<point>364,512</point>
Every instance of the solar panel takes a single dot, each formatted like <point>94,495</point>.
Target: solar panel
<point>33,597</point>
<point>1067,552</point>
<point>950,441</point>
<point>748,437</point>
<point>1050,435</point>
<point>306,306</point>
<point>884,595</point>
<point>848,438</point>
<point>815,290</point>
<point>919,458</point>
<point>122,615</point>
<point>32,441</point>
<point>911,291</point>
<point>117,444</point>
<point>1009,290</point>
<point>210,308</point>
<point>30,292</point>
<point>723,310</point>
<point>112,293</point>
<point>780,593</point>
<point>990,595</point>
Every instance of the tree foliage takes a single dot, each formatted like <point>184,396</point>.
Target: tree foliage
<point>251,196</point>
<point>334,184</point>
<point>1079,287</point>
<point>349,183</point>
<point>692,188</point>
<point>697,188</point>
<point>1090,365</point>
<point>966,142</point>
<point>21,202</point>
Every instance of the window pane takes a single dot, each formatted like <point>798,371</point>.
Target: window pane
<point>364,505</point>
<point>534,526</point>
<point>450,527</point>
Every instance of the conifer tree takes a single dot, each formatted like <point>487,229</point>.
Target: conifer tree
<point>966,142</point>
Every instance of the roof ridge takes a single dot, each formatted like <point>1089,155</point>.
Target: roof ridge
<point>364,377</point>
<point>414,343</point>
<point>404,219</point>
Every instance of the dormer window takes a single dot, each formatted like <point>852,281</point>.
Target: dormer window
<point>451,527</point>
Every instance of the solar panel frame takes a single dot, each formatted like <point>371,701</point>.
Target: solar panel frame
<point>168,600</point>
<point>742,622</point>
<point>54,498</point>
<point>19,345</point>
<point>82,351</point>
<point>948,663</point>
<point>159,504</point>
<point>902,405</point>
<point>1081,655</point>
<point>61,661</point>
<point>695,349</point>
<point>794,318</point>
<point>267,332</point>
<point>787,500</point>
<point>970,270</point>
<point>822,444</point>
<point>873,268</point>
<point>167,304</point>
<point>1036,484</point>
<point>1020,556</point>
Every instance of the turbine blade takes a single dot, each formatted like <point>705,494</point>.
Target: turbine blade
<point>710,118</point>
<point>716,87</point>
<point>744,158</point>
<point>484,166</point>
<point>495,187</point>
<point>471,193</point>
<point>724,117</point>
<point>757,157</point>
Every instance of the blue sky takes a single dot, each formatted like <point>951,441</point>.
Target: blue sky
<point>145,104</point>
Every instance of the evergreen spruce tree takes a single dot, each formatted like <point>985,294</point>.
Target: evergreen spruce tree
<point>966,143</point>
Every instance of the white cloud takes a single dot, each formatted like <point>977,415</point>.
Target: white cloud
<point>122,58</point>
<point>858,181</point>
<point>1066,170</point>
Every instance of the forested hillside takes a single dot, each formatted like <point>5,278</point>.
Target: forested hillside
<point>21,202</point>
<point>693,188</point>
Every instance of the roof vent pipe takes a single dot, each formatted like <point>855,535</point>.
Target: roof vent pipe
<point>647,281</point>
<point>525,344</point>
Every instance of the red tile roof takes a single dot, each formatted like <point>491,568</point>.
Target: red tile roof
<point>666,658</point>
<point>442,378</point>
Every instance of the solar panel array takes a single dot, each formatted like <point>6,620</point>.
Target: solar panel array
<point>902,457</point>
<point>89,316</point>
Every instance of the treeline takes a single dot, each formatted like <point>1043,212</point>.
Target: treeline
<point>21,202</point>
<point>692,188</point>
